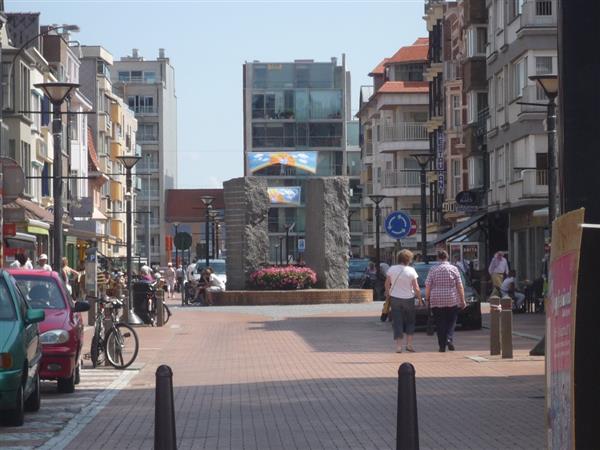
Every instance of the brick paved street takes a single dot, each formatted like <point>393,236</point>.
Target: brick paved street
<point>322,378</point>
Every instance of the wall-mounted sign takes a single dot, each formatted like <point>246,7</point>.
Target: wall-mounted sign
<point>468,201</point>
<point>300,160</point>
<point>284,195</point>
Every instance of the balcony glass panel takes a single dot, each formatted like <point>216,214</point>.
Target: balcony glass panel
<point>325,134</point>
<point>326,104</point>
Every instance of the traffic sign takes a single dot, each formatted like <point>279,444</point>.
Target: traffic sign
<point>413,227</point>
<point>183,241</point>
<point>301,245</point>
<point>398,225</point>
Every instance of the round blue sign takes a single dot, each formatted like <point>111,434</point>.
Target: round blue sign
<point>398,225</point>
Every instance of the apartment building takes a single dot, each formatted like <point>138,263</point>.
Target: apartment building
<point>393,118</point>
<point>300,106</point>
<point>522,39</point>
<point>148,88</point>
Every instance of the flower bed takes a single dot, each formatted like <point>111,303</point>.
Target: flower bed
<point>283,278</point>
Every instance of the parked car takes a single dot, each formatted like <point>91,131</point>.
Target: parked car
<point>218,266</point>
<point>468,318</point>
<point>61,332</point>
<point>356,272</point>
<point>20,353</point>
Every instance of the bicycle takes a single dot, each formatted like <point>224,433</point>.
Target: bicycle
<point>120,344</point>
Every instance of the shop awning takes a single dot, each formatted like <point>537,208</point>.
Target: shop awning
<point>459,228</point>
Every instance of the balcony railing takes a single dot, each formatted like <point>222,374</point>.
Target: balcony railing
<point>144,110</point>
<point>539,13</point>
<point>532,94</point>
<point>541,177</point>
<point>410,131</point>
<point>399,179</point>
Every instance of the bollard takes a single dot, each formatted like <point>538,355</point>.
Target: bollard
<point>407,425</point>
<point>164,411</point>
<point>494,325</point>
<point>160,298</point>
<point>506,326</point>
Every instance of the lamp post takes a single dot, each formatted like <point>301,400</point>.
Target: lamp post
<point>207,200</point>
<point>128,162</point>
<point>549,84</point>
<point>423,159</point>
<point>214,218</point>
<point>176,225</point>
<point>377,199</point>
<point>217,232</point>
<point>288,228</point>
<point>57,93</point>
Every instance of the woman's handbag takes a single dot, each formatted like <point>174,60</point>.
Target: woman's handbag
<point>385,311</point>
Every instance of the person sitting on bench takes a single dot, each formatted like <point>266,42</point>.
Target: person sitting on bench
<point>508,288</point>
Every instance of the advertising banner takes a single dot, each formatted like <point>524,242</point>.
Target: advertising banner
<point>300,160</point>
<point>560,329</point>
<point>284,195</point>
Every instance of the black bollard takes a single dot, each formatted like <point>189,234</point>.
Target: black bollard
<point>164,411</point>
<point>407,427</point>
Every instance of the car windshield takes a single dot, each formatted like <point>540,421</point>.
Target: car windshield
<point>358,265</point>
<point>423,271</point>
<point>7,307</point>
<point>218,266</point>
<point>41,292</point>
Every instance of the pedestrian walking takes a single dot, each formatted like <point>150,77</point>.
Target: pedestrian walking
<point>445,294</point>
<point>402,287</point>
<point>170,279</point>
<point>67,273</point>
<point>179,275</point>
<point>43,263</point>
<point>498,269</point>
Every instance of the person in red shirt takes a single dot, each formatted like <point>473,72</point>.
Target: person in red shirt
<point>445,294</point>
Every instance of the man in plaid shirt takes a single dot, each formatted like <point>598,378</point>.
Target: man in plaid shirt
<point>444,293</point>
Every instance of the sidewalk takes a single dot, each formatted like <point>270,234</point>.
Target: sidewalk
<point>288,378</point>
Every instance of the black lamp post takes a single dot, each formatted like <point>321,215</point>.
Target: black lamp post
<point>207,200</point>
<point>176,226</point>
<point>549,84</point>
<point>377,199</point>
<point>214,218</point>
<point>128,162</point>
<point>57,93</point>
<point>288,228</point>
<point>423,159</point>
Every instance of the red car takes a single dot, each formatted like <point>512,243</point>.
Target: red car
<point>61,332</point>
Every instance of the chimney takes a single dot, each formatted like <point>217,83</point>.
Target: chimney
<point>134,53</point>
<point>161,53</point>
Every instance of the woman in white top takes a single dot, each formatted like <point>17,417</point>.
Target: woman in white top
<point>402,286</point>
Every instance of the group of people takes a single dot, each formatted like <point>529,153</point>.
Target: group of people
<point>444,296</point>
<point>69,275</point>
<point>504,280</point>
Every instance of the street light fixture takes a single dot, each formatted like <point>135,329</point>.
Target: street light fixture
<point>423,159</point>
<point>549,84</point>
<point>128,162</point>
<point>57,93</point>
<point>207,200</point>
<point>377,199</point>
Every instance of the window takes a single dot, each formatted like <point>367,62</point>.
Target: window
<point>499,14</point>
<point>147,132</point>
<point>25,91</point>
<point>543,7</point>
<point>515,7</point>
<point>141,103</point>
<point>136,76</point>
<point>500,90</point>
<point>149,77</point>
<point>25,160</point>
<point>456,111</point>
<point>73,127</point>
<point>475,166</point>
<point>102,68</point>
<point>46,180</point>
<point>379,174</point>
<point>326,104</point>
<point>325,134</point>
<point>456,176</point>
<point>36,105</point>
<point>123,76</point>
<point>476,41</point>
<point>408,72</point>
<point>519,77</point>
<point>543,66</point>
<point>477,102</point>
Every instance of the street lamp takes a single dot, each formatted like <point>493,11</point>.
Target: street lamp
<point>377,199</point>
<point>57,93</point>
<point>128,162</point>
<point>207,200</point>
<point>213,219</point>
<point>288,228</point>
<point>423,159</point>
<point>549,84</point>
<point>176,225</point>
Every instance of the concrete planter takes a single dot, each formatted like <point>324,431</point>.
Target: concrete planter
<point>292,297</point>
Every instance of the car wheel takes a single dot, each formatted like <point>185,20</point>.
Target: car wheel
<point>15,417</point>
<point>33,402</point>
<point>66,385</point>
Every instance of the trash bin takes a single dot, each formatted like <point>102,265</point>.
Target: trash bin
<point>141,292</point>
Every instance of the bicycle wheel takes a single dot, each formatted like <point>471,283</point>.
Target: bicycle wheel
<point>166,314</point>
<point>121,346</point>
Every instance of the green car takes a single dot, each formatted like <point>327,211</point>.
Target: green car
<point>20,353</point>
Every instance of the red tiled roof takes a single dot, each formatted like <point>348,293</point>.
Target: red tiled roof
<point>93,162</point>
<point>185,205</point>
<point>380,68</point>
<point>412,53</point>
<point>404,87</point>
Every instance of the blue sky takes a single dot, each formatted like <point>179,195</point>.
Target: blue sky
<point>208,41</point>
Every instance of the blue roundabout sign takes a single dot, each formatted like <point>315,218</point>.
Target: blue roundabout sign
<point>398,225</point>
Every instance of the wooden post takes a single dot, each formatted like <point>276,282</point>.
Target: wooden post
<point>494,325</point>
<point>506,327</point>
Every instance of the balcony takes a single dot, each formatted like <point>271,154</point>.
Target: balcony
<point>532,94</point>
<point>116,150</point>
<point>404,136</point>
<point>141,110</point>
<point>538,14</point>
<point>397,178</point>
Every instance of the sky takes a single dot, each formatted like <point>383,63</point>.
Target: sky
<point>209,41</point>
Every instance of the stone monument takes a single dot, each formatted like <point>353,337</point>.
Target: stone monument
<point>246,211</point>
<point>327,232</point>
